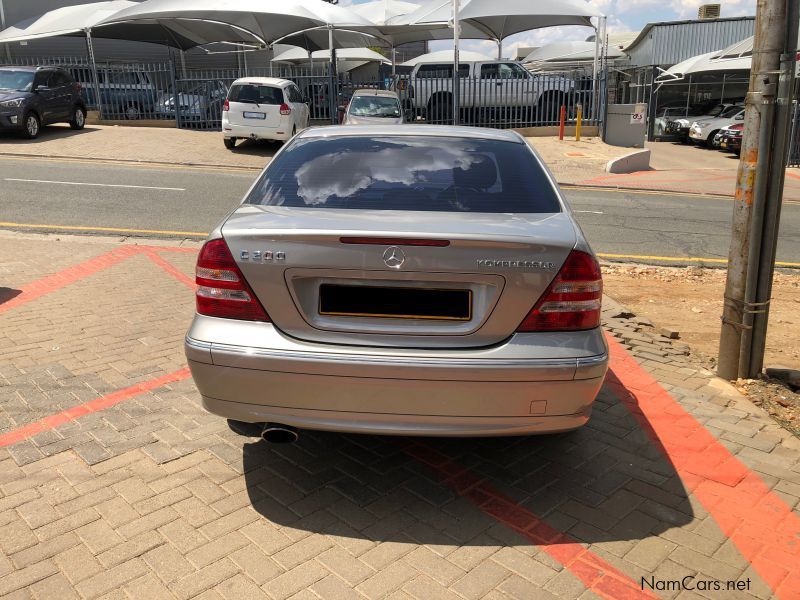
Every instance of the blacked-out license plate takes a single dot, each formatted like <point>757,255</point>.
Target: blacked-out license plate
<point>395,302</point>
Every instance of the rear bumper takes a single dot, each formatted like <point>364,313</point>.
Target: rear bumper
<point>282,132</point>
<point>506,390</point>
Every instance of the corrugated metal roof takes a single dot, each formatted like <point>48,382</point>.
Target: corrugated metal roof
<point>672,42</point>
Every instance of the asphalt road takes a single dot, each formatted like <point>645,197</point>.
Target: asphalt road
<point>84,196</point>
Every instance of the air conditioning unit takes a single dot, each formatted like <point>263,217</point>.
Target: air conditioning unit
<point>708,11</point>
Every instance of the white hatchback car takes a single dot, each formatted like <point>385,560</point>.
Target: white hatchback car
<point>263,108</point>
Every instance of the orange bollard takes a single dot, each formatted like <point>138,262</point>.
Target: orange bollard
<point>561,121</point>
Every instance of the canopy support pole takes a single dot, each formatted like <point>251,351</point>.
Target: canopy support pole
<point>394,61</point>
<point>499,49</point>
<point>456,80</point>
<point>95,78</point>
<point>688,95</point>
<point>332,83</point>
<point>3,26</point>
<point>599,41</point>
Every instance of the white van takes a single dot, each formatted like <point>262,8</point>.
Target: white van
<point>263,108</point>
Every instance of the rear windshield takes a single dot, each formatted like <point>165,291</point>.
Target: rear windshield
<point>375,106</point>
<point>257,94</point>
<point>422,173</point>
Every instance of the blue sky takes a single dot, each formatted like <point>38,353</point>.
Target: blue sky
<point>623,15</point>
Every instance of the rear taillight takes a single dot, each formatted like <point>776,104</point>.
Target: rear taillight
<point>572,300</point>
<point>221,288</point>
<point>285,110</point>
<point>226,106</point>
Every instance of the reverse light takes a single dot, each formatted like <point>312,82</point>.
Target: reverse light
<point>285,110</point>
<point>572,300</point>
<point>226,106</point>
<point>222,290</point>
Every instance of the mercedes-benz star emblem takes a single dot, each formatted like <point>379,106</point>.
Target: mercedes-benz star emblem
<point>393,257</point>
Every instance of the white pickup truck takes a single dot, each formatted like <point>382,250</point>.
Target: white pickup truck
<point>497,85</point>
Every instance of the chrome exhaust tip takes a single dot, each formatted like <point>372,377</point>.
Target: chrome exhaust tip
<point>276,433</point>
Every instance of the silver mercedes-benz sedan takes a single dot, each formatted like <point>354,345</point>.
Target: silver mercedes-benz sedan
<point>415,280</point>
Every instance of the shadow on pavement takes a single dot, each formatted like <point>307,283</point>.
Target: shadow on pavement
<point>7,294</point>
<point>46,134</point>
<point>605,482</point>
<point>255,147</point>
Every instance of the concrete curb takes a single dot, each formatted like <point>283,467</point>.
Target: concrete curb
<point>630,163</point>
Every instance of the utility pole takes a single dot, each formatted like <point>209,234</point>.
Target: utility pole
<point>763,152</point>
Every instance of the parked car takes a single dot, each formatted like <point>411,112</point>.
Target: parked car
<point>369,106</point>
<point>31,97</point>
<point>704,129</point>
<point>124,93</point>
<point>197,100</point>
<point>503,87</point>
<point>731,138</point>
<point>263,108</point>
<point>415,280</point>
<point>679,127</point>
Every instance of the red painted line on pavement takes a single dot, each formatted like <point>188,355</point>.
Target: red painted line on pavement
<point>51,283</point>
<point>170,249</point>
<point>763,527</point>
<point>51,422</point>
<point>596,574</point>
<point>171,269</point>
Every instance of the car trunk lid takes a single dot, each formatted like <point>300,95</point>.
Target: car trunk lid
<point>397,278</point>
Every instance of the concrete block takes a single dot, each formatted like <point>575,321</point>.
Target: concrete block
<point>630,163</point>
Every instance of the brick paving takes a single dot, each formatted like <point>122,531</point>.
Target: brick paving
<point>136,492</point>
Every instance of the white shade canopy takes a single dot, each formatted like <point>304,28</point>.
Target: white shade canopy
<point>290,21</point>
<point>300,55</point>
<point>446,56</point>
<point>736,57</point>
<point>380,11</point>
<point>63,21</point>
<point>498,19</point>
<point>569,52</point>
<point>78,19</point>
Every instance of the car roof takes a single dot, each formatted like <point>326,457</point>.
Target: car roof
<point>264,81</point>
<point>412,130</point>
<point>374,92</point>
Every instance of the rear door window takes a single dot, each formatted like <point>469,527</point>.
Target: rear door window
<point>256,93</point>
<point>436,71</point>
<point>409,173</point>
<point>59,79</point>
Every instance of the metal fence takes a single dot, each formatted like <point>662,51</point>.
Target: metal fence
<point>194,98</point>
<point>794,139</point>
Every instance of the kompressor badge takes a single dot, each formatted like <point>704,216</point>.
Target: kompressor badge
<point>516,264</point>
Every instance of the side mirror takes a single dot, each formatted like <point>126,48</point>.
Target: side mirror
<point>739,118</point>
